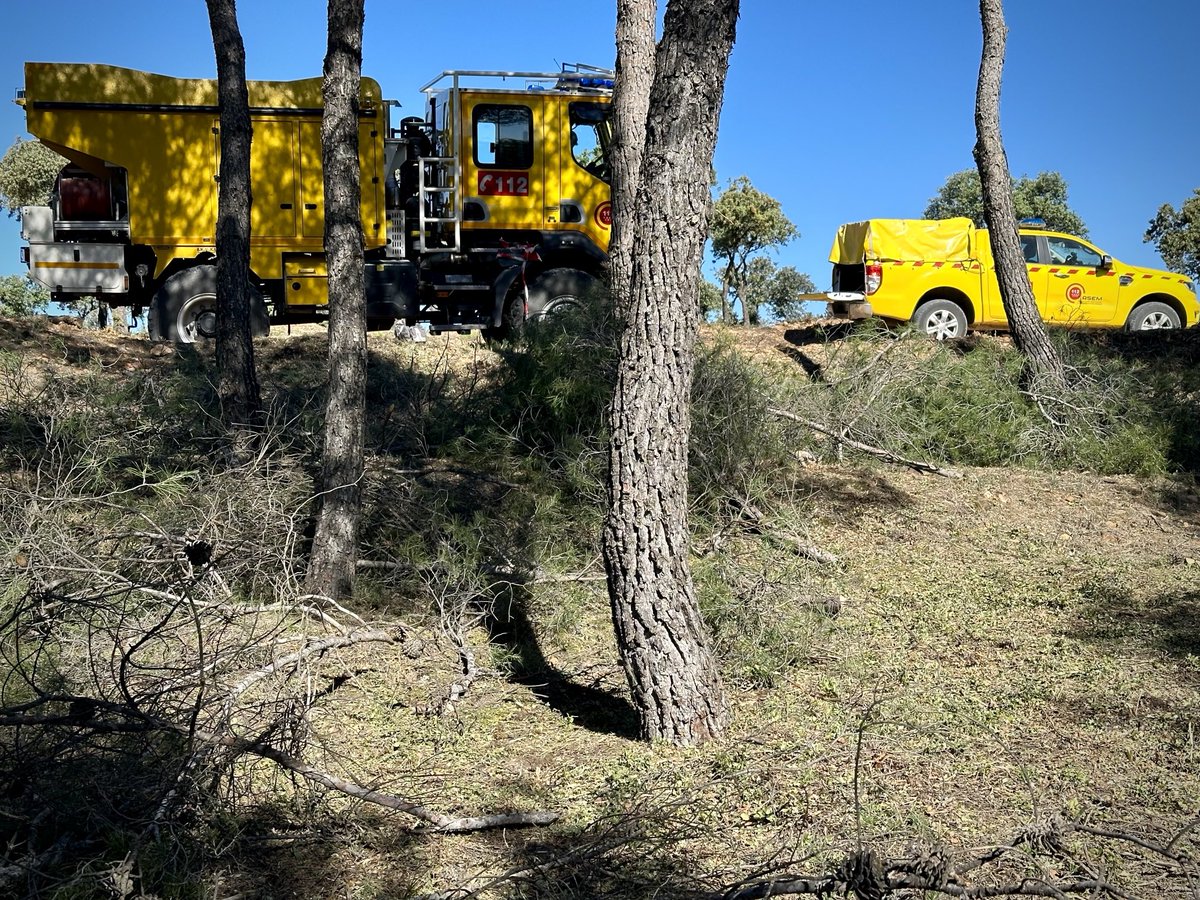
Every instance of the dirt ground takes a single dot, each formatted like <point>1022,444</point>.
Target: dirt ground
<point>1006,646</point>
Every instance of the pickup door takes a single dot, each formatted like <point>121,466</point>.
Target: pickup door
<point>1038,280</point>
<point>1080,290</point>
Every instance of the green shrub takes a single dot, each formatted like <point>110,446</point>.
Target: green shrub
<point>962,403</point>
<point>738,449</point>
<point>558,379</point>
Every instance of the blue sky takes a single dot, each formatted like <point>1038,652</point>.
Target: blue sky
<point>842,112</point>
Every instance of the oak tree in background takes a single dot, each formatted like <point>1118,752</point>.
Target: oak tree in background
<point>1043,197</point>
<point>1043,367</point>
<point>708,300</point>
<point>775,287</point>
<point>745,221</point>
<point>237,380</point>
<point>21,296</point>
<point>335,543</point>
<point>1176,235</point>
<point>664,646</point>
<point>27,173</point>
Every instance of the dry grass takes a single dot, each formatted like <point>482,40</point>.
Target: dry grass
<point>1011,645</point>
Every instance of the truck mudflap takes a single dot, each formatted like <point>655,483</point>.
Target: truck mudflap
<point>509,272</point>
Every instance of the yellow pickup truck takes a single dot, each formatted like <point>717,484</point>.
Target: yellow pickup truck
<point>939,275</point>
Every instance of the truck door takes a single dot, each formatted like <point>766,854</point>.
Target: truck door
<point>504,168</point>
<point>1034,253</point>
<point>272,177</point>
<point>1080,291</point>
<point>584,175</point>
<point>312,184</point>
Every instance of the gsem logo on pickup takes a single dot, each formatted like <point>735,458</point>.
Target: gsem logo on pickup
<point>503,184</point>
<point>1075,292</point>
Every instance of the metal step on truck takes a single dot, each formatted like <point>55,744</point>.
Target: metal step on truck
<point>491,208</point>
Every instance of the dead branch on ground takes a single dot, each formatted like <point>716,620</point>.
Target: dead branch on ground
<point>841,437</point>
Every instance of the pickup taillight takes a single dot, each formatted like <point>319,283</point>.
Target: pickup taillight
<point>874,277</point>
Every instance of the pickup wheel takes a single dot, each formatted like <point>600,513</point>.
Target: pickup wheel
<point>559,290</point>
<point>1152,316</point>
<point>942,320</point>
<point>184,308</point>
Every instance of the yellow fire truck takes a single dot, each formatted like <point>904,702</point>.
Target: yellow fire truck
<point>491,207</point>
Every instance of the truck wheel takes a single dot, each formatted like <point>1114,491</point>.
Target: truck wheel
<point>513,319</point>
<point>184,308</point>
<point>1152,317</point>
<point>942,320</point>
<point>559,290</point>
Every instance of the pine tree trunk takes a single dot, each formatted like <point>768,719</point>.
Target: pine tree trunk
<point>335,544</point>
<point>631,99</point>
<point>664,646</point>
<point>1042,363</point>
<point>237,384</point>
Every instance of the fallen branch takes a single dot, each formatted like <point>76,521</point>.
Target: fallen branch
<point>503,573</point>
<point>470,672</point>
<point>90,720</point>
<point>756,524</point>
<point>791,542</point>
<point>436,821</point>
<point>312,648</point>
<point>879,452</point>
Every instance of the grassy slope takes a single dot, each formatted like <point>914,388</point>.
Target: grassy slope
<point>1010,644</point>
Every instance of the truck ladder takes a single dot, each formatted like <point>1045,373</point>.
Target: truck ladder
<point>441,197</point>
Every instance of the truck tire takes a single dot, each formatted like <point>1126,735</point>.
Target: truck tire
<point>184,308</point>
<point>1152,316</point>
<point>942,320</point>
<point>559,290</point>
<point>513,319</point>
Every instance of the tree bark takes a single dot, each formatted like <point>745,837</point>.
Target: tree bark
<point>664,646</point>
<point>631,100</point>
<point>335,543</point>
<point>237,380</point>
<point>1042,363</point>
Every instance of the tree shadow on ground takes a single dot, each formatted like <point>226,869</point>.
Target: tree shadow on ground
<point>849,495</point>
<point>820,333</point>
<point>637,853</point>
<point>276,855</point>
<point>605,710</point>
<point>1166,623</point>
<point>1180,496</point>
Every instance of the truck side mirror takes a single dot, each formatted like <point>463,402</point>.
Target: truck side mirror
<point>1105,261</point>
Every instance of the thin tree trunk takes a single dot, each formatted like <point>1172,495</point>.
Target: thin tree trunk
<point>664,646</point>
<point>631,100</point>
<point>726,280</point>
<point>335,544</point>
<point>237,380</point>
<point>1042,363</point>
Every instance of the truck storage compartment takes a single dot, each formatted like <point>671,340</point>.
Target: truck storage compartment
<point>83,197</point>
<point>848,278</point>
